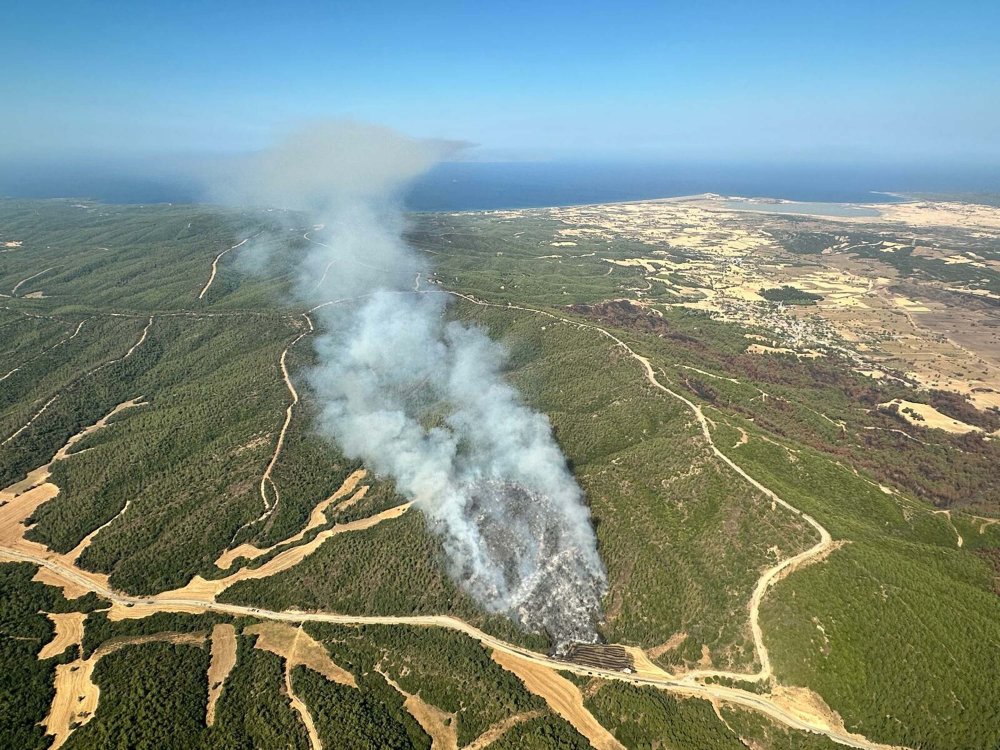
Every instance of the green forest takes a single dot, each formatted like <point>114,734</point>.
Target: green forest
<point>897,629</point>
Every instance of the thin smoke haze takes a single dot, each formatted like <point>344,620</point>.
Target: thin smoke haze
<point>422,399</point>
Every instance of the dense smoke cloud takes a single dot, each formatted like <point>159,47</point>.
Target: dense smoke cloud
<point>422,399</point>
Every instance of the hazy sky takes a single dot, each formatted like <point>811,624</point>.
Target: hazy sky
<point>840,79</point>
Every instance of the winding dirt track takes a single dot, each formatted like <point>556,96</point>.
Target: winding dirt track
<point>771,575</point>
<point>27,424</point>
<point>46,351</point>
<point>144,606</point>
<point>79,549</point>
<point>129,353</point>
<point>142,339</point>
<point>58,568</point>
<point>24,281</point>
<point>265,479</point>
<point>266,476</point>
<point>215,267</point>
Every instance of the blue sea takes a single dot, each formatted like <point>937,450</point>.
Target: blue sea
<point>470,186</point>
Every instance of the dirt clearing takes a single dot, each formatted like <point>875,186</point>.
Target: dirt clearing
<point>297,647</point>
<point>223,661</point>
<point>925,415</point>
<point>561,695</point>
<point>439,725</point>
<point>69,632</point>
<point>316,519</point>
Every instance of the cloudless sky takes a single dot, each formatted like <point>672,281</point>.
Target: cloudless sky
<point>835,80</point>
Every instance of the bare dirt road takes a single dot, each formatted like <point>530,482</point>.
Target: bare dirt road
<point>139,607</point>
<point>265,480</point>
<point>770,576</point>
<point>61,570</point>
<point>215,267</point>
<point>22,282</point>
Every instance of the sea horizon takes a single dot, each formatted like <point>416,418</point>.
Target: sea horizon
<point>483,186</point>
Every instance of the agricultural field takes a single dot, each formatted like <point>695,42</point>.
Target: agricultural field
<point>786,426</point>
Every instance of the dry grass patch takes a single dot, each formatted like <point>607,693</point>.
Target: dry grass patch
<point>439,724</point>
<point>561,695</point>
<point>297,647</point>
<point>316,519</point>
<point>223,661</point>
<point>69,632</point>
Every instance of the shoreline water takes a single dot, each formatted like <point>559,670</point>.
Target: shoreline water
<point>480,186</point>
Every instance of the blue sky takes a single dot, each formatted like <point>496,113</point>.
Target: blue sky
<point>840,81</point>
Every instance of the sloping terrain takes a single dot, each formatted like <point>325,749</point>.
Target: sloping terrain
<point>776,564</point>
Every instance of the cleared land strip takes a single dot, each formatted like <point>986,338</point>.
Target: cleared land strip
<point>342,498</point>
<point>69,632</point>
<point>562,696</point>
<point>265,479</point>
<point>298,704</point>
<point>771,575</point>
<point>19,284</point>
<point>501,728</point>
<point>223,660</point>
<point>27,424</point>
<point>438,724</point>
<point>79,549</point>
<point>215,266</point>
<point>129,607</point>
<point>46,351</point>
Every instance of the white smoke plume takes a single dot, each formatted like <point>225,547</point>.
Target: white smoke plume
<point>421,399</point>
